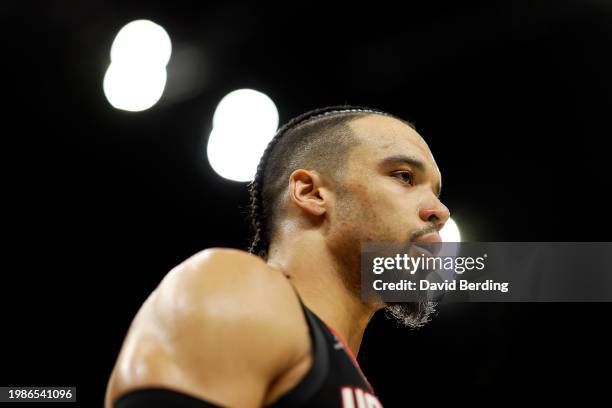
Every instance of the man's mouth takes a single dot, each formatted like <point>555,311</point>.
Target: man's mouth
<point>425,251</point>
<point>432,244</point>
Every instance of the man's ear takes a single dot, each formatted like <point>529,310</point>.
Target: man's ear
<point>307,191</point>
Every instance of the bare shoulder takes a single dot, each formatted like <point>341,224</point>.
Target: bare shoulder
<point>230,284</point>
<point>221,320</point>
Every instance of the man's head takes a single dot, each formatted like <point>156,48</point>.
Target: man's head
<point>349,175</point>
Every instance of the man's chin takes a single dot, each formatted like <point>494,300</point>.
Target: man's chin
<point>411,314</point>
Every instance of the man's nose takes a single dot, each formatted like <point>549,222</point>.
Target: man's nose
<point>437,215</point>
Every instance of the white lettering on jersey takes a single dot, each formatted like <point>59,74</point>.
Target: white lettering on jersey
<point>358,398</point>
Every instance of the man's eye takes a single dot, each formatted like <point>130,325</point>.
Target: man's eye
<point>405,176</point>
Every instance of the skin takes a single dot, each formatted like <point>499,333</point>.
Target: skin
<point>261,344</point>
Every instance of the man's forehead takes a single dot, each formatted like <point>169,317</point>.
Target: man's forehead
<point>381,136</point>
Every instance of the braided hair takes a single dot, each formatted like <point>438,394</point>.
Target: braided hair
<point>328,137</point>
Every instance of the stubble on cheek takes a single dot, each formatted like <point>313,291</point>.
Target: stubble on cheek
<point>362,216</point>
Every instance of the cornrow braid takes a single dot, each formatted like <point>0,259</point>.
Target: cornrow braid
<point>260,240</point>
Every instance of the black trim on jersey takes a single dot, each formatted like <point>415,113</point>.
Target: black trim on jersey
<point>318,372</point>
<point>161,398</point>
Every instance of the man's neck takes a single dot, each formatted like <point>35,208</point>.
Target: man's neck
<point>321,283</point>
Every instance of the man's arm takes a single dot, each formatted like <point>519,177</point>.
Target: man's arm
<point>221,327</point>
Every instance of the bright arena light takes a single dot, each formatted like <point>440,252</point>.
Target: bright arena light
<point>450,232</point>
<point>136,78</point>
<point>247,108</point>
<point>244,122</point>
<point>142,42</point>
<point>130,88</point>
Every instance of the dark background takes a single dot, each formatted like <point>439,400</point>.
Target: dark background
<point>513,97</point>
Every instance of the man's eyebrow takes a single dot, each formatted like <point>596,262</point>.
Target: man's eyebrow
<point>410,160</point>
<point>402,159</point>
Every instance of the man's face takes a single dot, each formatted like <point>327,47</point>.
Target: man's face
<point>393,183</point>
<point>389,192</point>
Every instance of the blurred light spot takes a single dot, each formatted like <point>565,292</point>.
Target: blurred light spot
<point>450,232</point>
<point>244,122</point>
<point>143,42</point>
<point>132,89</point>
<point>136,78</point>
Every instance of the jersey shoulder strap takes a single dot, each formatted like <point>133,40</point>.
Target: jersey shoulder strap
<point>315,377</point>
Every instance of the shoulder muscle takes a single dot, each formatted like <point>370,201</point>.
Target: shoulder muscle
<point>225,321</point>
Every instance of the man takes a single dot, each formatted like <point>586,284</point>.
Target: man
<point>280,326</point>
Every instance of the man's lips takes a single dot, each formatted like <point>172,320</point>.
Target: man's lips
<point>433,243</point>
<point>431,238</point>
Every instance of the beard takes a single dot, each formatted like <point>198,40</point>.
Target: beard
<point>413,315</point>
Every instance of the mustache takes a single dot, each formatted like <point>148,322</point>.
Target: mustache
<point>424,231</point>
